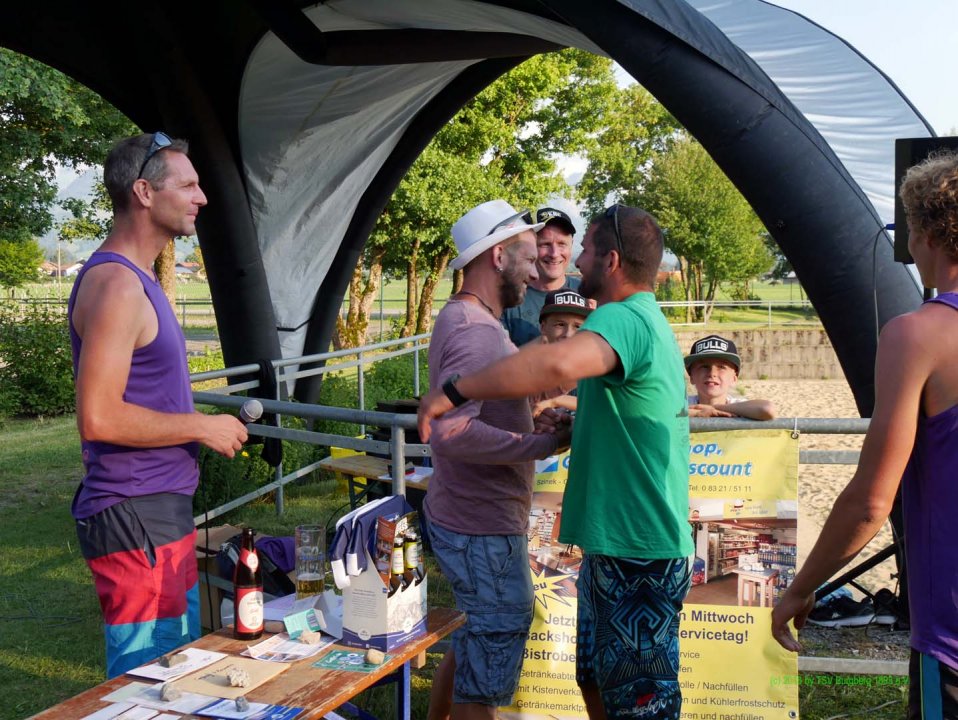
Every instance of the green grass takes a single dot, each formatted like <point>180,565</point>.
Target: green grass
<point>820,701</point>
<point>201,321</point>
<point>51,643</point>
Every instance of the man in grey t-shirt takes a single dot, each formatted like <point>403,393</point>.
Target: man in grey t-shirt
<point>480,493</point>
<point>554,249</point>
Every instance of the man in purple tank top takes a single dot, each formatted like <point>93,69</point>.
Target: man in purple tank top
<point>139,432</point>
<point>912,439</point>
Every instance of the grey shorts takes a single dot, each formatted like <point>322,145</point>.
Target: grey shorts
<point>492,583</point>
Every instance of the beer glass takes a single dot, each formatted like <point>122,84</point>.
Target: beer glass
<point>310,551</point>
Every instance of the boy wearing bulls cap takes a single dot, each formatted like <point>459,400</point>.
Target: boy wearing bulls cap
<point>713,367</point>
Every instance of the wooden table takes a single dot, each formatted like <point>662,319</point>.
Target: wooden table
<point>317,691</point>
<point>760,579</point>
<point>365,466</point>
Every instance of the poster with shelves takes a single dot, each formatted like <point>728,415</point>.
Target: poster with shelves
<point>743,517</point>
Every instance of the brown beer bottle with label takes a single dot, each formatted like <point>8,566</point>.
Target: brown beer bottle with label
<point>413,571</point>
<point>247,591</point>
<point>396,580</point>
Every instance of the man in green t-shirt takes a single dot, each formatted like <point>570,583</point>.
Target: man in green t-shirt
<point>626,500</point>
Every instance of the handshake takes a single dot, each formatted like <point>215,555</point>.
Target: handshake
<point>555,421</point>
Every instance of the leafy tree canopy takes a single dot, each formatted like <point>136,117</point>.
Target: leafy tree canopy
<point>503,144</point>
<point>708,223</point>
<point>636,128</point>
<point>19,262</point>
<point>46,119</point>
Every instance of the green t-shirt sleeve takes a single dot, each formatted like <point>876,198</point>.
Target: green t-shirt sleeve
<point>627,334</point>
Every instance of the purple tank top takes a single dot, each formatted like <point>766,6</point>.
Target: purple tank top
<point>930,504</point>
<point>159,380</point>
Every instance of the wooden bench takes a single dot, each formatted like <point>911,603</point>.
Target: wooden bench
<point>365,466</point>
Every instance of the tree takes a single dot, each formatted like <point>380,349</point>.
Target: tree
<point>46,120</point>
<point>197,257</point>
<point>636,129</point>
<point>503,144</point>
<point>708,224</point>
<point>19,262</point>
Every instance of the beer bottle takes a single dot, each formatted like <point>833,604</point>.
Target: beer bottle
<point>413,572</point>
<point>248,591</point>
<point>396,579</point>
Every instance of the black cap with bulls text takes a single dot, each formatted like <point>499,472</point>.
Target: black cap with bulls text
<point>550,215</point>
<point>564,301</point>
<point>714,347</point>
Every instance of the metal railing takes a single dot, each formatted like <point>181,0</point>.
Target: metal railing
<point>287,370</point>
<point>397,449</point>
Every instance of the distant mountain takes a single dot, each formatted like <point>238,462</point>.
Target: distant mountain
<point>81,186</point>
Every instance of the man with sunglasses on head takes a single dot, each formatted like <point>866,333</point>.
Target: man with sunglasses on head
<point>139,432</point>
<point>480,494</point>
<point>626,499</point>
<point>553,251</point>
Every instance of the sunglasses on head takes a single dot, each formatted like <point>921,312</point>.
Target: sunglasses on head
<point>523,217</point>
<point>613,212</point>
<point>160,141</point>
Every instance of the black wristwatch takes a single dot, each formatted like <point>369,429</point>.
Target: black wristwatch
<point>449,387</point>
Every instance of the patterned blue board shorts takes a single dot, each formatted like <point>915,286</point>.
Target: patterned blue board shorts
<point>627,639</point>
<point>492,583</point>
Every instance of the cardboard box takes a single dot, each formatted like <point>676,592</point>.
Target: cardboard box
<point>211,593</point>
<point>374,619</point>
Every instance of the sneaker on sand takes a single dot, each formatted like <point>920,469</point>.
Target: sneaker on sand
<point>842,612</point>
<point>886,607</point>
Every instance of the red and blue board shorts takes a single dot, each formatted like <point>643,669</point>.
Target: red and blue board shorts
<point>142,556</point>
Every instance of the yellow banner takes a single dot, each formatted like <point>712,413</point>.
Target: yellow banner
<point>753,464</point>
<point>743,515</point>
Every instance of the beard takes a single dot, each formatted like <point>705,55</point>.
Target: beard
<point>512,290</point>
<point>592,281</point>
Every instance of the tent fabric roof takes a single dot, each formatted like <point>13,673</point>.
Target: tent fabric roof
<point>303,117</point>
<point>314,136</point>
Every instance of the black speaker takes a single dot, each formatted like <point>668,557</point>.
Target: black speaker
<point>908,152</point>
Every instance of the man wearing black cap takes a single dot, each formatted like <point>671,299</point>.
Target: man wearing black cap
<point>554,247</point>
<point>713,367</point>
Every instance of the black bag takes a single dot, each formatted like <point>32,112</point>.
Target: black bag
<point>275,582</point>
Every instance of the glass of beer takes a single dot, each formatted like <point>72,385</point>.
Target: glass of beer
<point>310,551</point>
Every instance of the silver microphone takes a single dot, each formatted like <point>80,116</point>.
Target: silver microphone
<point>251,411</point>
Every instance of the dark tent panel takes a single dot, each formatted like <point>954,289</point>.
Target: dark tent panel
<point>303,119</point>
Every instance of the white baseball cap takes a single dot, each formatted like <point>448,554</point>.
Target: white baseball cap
<point>486,225</point>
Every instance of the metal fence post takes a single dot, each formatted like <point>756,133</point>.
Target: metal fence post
<point>280,492</point>
<point>361,382</point>
<point>415,371</point>
<point>397,441</point>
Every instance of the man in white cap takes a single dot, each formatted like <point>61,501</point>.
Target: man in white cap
<point>553,251</point>
<point>480,493</point>
<point>626,500</point>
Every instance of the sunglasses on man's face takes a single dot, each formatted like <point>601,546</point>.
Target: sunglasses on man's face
<point>523,217</point>
<point>613,213</point>
<point>160,141</point>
